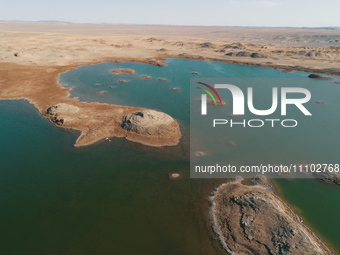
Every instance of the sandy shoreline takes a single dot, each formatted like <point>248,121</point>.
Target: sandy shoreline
<point>41,87</point>
<point>35,54</point>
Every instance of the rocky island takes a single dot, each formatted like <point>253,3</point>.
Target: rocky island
<point>99,121</point>
<point>126,71</point>
<point>253,220</point>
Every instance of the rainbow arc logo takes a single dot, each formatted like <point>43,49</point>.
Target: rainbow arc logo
<point>210,94</point>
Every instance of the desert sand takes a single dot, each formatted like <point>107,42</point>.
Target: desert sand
<point>64,44</point>
<point>34,54</point>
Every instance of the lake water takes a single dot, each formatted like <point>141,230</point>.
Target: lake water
<point>116,198</point>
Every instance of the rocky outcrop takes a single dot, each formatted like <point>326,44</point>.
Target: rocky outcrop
<point>18,54</point>
<point>200,153</point>
<point>148,122</point>
<point>98,121</point>
<point>277,51</point>
<point>310,54</point>
<point>62,113</point>
<point>185,55</point>
<point>119,71</point>
<point>301,52</point>
<point>179,43</point>
<point>152,39</point>
<point>220,50</point>
<point>243,54</point>
<point>253,220</point>
<point>258,55</point>
<point>329,176</point>
<point>155,62</point>
<point>233,46</point>
<point>173,176</point>
<point>207,45</point>
<point>318,76</point>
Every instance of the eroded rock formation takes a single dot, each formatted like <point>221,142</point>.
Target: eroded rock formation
<point>148,122</point>
<point>253,220</point>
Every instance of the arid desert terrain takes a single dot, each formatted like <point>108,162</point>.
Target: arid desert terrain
<point>34,54</point>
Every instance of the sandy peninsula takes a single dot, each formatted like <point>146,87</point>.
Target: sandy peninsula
<point>34,54</point>
<point>95,121</point>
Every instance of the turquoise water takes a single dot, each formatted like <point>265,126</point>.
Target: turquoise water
<point>152,93</point>
<point>116,198</point>
<point>149,93</point>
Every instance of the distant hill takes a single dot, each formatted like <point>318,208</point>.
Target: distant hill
<point>334,28</point>
<point>330,28</point>
<point>60,21</point>
<point>53,21</point>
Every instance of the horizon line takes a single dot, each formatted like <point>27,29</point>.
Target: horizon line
<point>109,23</point>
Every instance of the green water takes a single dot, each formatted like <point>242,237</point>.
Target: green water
<point>103,199</point>
<point>116,198</point>
<point>317,203</point>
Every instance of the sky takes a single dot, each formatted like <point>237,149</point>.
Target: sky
<point>282,13</point>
